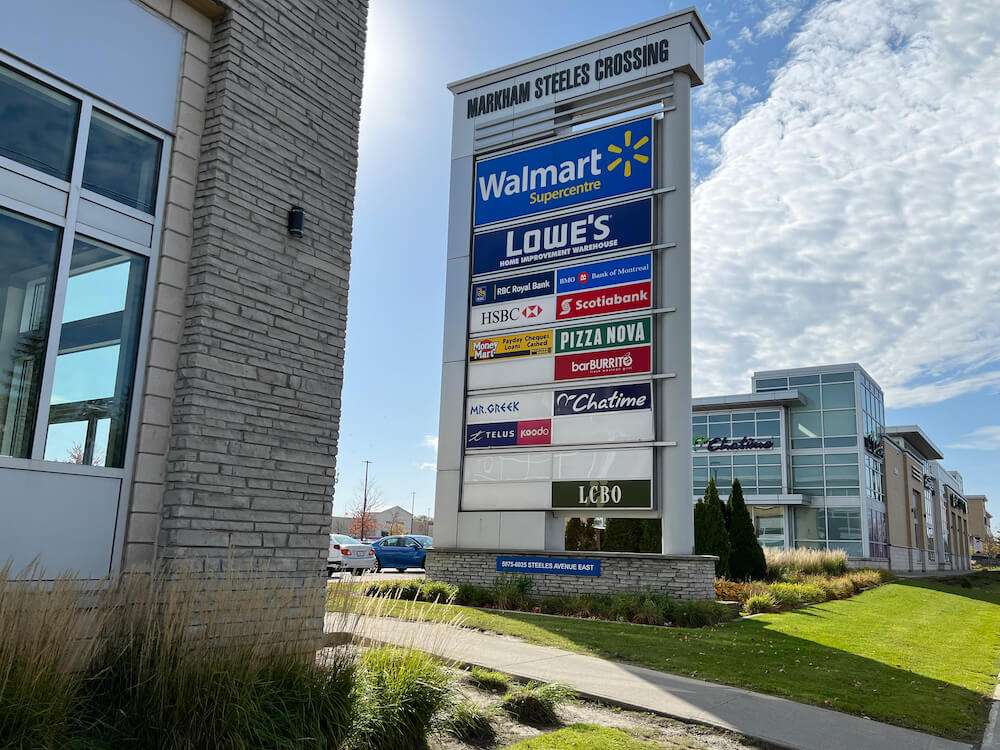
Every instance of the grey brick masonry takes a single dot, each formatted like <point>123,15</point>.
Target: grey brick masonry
<point>682,577</point>
<point>256,409</point>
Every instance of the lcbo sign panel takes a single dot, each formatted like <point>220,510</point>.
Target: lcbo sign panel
<point>604,163</point>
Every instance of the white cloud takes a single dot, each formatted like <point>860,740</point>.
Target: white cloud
<point>983,439</point>
<point>430,441</point>
<point>780,13</point>
<point>427,465</point>
<point>853,214</point>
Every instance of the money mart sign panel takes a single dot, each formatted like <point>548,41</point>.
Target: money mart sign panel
<point>567,349</point>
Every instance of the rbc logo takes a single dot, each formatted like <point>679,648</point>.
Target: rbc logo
<point>480,294</point>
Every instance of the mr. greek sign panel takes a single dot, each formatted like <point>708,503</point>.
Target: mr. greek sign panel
<point>599,164</point>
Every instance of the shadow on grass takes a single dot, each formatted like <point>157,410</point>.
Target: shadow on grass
<point>770,655</point>
<point>983,586</point>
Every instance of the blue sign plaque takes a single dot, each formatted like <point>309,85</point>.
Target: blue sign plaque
<point>599,164</point>
<point>552,565</point>
<point>601,230</point>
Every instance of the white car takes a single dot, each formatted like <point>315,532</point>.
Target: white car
<point>347,553</point>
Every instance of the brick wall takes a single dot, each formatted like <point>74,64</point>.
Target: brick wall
<point>682,577</point>
<point>256,407</point>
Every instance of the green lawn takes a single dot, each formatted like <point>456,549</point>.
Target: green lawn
<point>591,737</point>
<point>919,654</point>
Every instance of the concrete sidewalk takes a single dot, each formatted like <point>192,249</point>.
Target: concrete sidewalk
<point>775,720</point>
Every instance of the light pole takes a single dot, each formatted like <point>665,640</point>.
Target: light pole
<point>364,503</point>
<point>413,500</point>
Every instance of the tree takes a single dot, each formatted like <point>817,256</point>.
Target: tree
<point>581,534</point>
<point>395,528</point>
<point>711,537</point>
<point>362,511</point>
<point>746,558</point>
<point>423,524</point>
<point>621,535</point>
<point>650,536</point>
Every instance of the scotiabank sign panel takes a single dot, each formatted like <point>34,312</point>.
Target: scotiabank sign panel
<point>601,230</point>
<point>600,164</point>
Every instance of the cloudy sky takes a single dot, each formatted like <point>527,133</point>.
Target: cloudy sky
<point>846,209</point>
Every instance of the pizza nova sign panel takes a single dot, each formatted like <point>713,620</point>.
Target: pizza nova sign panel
<point>595,165</point>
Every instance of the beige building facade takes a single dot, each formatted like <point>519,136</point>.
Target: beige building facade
<point>980,523</point>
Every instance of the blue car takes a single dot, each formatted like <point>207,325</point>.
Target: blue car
<point>401,552</point>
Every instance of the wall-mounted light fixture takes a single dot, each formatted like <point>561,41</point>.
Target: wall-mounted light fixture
<point>296,221</point>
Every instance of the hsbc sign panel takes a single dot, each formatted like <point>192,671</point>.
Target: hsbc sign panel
<point>512,314</point>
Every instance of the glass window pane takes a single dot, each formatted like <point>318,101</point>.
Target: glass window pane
<point>806,424</point>
<point>743,416</point>
<point>699,461</point>
<point>844,523</point>
<point>767,415</point>
<point>29,255</point>
<point>840,422</point>
<point>796,381</point>
<point>699,430</point>
<point>122,163</point>
<point>838,396</point>
<point>842,476</point>
<point>807,460</point>
<point>841,458</point>
<point>809,524</point>
<point>840,442</point>
<point>699,420</point>
<point>720,461</point>
<point>772,384</point>
<point>723,479</point>
<point>809,394</point>
<point>39,124</point>
<point>743,429</point>
<point>744,460</point>
<point>95,368</point>
<point>807,443</point>
<point>719,418</point>
<point>768,428</point>
<point>769,476</point>
<point>838,377</point>
<point>763,458</point>
<point>807,476</point>
<point>720,430</point>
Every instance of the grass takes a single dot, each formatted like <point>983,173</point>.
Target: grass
<point>535,704</point>
<point>485,679</point>
<point>785,563</point>
<point>916,653</point>
<point>470,723</point>
<point>585,737</point>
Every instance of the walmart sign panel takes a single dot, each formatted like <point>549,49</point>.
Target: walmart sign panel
<point>600,164</point>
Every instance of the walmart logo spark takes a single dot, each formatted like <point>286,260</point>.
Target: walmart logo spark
<point>641,158</point>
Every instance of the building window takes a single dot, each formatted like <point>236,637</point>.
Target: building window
<point>29,257</point>
<point>878,544</point>
<point>122,163</point>
<point>72,308</point>
<point>95,367</point>
<point>39,124</point>
<point>769,521</point>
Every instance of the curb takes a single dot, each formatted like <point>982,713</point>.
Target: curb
<point>991,737</point>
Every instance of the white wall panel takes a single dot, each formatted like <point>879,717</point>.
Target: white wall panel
<point>32,192</point>
<point>509,406</point>
<point>112,49</point>
<point>514,467</point>
<point>115,222</point>
<point>511,372</point>
<point>602,428</point>
<point>626,463</point>
<point>507,496</point>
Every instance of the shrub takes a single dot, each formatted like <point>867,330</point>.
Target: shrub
<point>471,724</point>
<point>763,602</point>
<point>398,692</point>
<point>621,535</point>
<point>746,558</point>
<point>511,592</point>
<point>699,614</point>
<point>795,594</point>
<point>438,591</point>
<point>536,704</point>
<point>486,679</point>
<point>789,565</point>
<point>473,596</point>
<point>710,534</point>
<point>581,534</point>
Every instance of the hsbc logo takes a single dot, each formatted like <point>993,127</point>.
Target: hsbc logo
<point>532,311</point>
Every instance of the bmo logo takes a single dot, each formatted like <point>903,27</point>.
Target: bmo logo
<point>534,432</point>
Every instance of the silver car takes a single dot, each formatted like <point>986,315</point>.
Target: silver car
<point>348,553</point>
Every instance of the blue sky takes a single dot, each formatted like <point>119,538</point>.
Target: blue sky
<point>846,208</point>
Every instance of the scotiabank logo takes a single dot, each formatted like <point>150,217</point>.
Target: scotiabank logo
<point>534,432</point>
<point>636,296</point>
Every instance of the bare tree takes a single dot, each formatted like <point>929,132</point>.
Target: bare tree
<point>362,510</point>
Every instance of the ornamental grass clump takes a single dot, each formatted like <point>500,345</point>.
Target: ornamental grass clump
<point>512,592</point>
<point>759,603</point>
<point>399,692</point>
<point>41,652</point>
<point>535,704</point>
<point>471,723</point>
<point>791,565</point>
<point>489,680</point>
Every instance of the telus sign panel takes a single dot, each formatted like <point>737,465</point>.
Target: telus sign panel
<point>604,163</point>
<point>601,230</point>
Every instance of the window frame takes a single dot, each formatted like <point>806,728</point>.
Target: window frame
<point>72,227</point>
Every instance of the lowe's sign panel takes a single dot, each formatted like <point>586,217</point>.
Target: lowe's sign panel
<point>602,230</point>
<point>605,163</point>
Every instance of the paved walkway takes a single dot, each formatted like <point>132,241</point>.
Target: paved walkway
<point>775,720</point>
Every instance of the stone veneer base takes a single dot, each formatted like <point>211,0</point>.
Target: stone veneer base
<point>681,577</point>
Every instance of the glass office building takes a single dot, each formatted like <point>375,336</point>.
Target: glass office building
<point>805,445</point>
